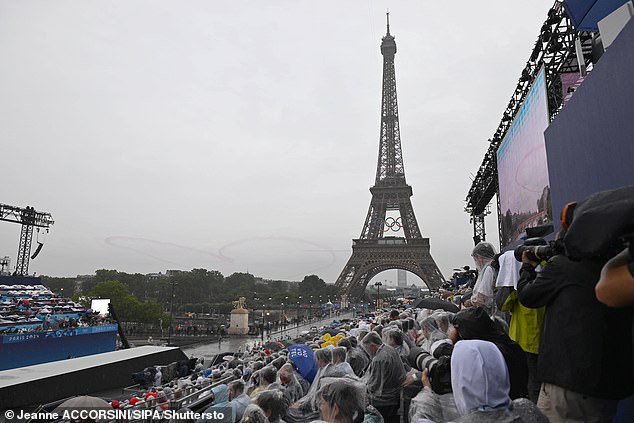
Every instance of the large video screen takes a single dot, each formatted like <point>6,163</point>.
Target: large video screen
<point>522,167</point>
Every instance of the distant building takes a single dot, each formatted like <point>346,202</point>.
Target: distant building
<point>159,275</point>
<point>401,277</point>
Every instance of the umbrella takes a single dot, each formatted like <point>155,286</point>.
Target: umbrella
<point>434,303</point>
<point>83,402</point>
<point>304,358</point>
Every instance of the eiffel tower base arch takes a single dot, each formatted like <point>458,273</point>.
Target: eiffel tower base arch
<point>371,257</point>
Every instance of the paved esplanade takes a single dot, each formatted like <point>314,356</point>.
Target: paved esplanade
<point>234,343</point>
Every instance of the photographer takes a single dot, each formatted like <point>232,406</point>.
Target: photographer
<point>585,353</point>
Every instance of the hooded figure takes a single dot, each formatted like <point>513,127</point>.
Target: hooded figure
<point>254,414</point>
<point>480,383</point>
<point>288,380</point>
<point>384,377</point>
<point>430,333</point>
<point>475,323</point>
<point>220,404</point>
<point>483,254</point>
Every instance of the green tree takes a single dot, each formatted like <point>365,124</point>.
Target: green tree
<point>127,306</point>
<point>312,285</point>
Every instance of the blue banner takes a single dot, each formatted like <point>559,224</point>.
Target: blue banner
<point>53,334</point>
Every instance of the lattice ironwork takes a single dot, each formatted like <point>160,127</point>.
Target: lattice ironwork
<point>29,218</point>
<point>375,252</point>
<point>555,50</point>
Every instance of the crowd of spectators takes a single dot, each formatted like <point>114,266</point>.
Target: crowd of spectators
<point>34,308</point>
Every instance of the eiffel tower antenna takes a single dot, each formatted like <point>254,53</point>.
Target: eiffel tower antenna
<point>374,252</point>
<point>388,22</point>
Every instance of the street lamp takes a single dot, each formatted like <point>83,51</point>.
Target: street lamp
<point>169,330</point>
<point>297,318</point>
<point>268,324</point>
<point>378,285</point>
<point>283,317</point>
<point>310,309</point>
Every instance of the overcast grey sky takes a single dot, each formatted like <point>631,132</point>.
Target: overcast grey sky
<point>243,135</point>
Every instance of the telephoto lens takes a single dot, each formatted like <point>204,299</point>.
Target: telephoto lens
<point>437,364</point>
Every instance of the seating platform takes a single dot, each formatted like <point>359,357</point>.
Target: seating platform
<point>43,383</point>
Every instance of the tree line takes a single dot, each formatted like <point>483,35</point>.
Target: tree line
<point>149,299</point>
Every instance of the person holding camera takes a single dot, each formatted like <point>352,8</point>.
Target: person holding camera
<point>585,351</point>
<point>480,384</point>
<point>475,323</point>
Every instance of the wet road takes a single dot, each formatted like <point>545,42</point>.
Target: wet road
<point>232,344</point>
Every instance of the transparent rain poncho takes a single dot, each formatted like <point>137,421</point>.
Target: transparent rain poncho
<point>429,406</point>
<point>307,407</point>
<point>394,338</point>
<point>288,380</point>
<point>254,414</point>
<point>349,397</point>
<point>358,360</point>
<point>483,254</point>
<point>431,333</point>
<point>384,377</point>
<point>339,360</point>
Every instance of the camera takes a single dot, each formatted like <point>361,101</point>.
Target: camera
<point>538,249</point>
<point>438,365</point>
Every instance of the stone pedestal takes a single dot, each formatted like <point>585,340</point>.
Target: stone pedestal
<point>239,322</point>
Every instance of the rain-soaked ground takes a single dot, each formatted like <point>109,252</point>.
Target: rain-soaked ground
<point>233,344</point>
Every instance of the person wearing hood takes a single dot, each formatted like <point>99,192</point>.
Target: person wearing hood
<point>267,375</point>
<point>483,254</point>
<point>355,356</point>
<point>239,400</point>
<point>219,404</point>
<point>289,383</point>
<point>475,323</point>
<point>340,363</point>
<point>394,338</point>
<point>384,377</point>
<point>339,402</point>
<point>430,333</point>
<point>480,384</point>
<point>585,348</point>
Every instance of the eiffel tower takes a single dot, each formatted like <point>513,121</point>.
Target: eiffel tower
<point>375,252</point>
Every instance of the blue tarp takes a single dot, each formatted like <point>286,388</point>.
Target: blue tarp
<point>585,14</point>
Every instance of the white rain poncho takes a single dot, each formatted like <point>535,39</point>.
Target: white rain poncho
<point>481,385</point>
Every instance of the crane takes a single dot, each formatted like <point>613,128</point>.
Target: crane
<point>29,218</point>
